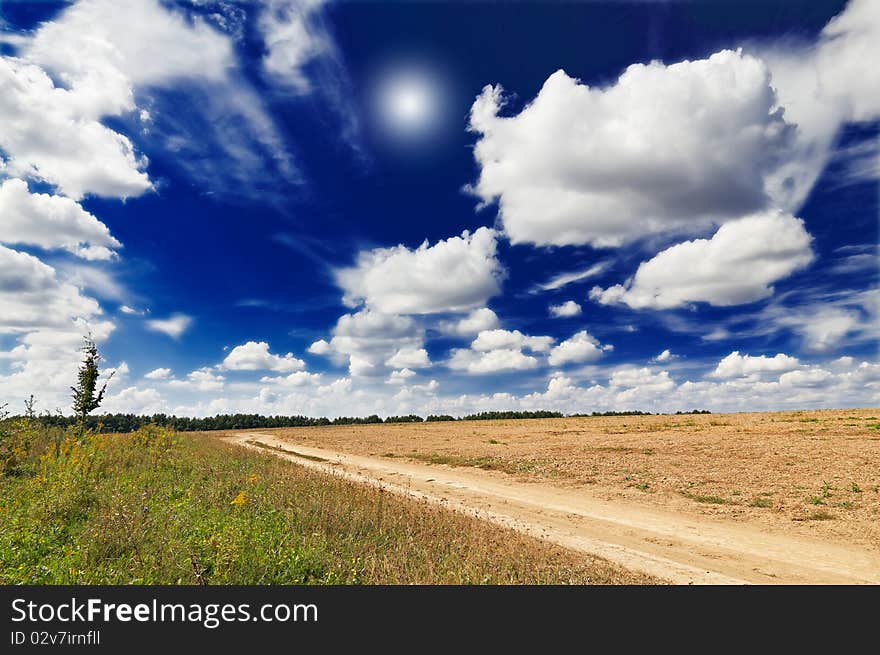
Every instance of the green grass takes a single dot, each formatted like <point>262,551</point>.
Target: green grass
<point>489,463</point>
<point>158,508</point>
<point>710,500</point>
<point>762,501</point>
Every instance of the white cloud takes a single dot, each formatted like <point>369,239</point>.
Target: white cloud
<point>109,57</point>
<point>491,361</point>
<point>739,264</point>
<point>291,40</point>
<point>678,147</point>
<point>822,86</point>
<point>319,347</point>
<point>454,275</point>
<point>400,377</point>
<point>32,295</point>
<point>49,221</point>
<point>567,309</point>
<point>736,365</point>
<point>158,374</point>
<point>581,347</point>
<point>296,379</point>
<point>825,328</point>
<point>409,358</point>
<point>498,339</point>
<point>135,401</point>
<point>633,378</point>
<point>174,326</point>
<point>665,356</point>
<point>202,379</point>
<point>100,48</point>
<point>89,277</point>
<point>255,356</point>
<point>367,339</point>
<point>125,309</point>
<point>474,323</point>
<point>494,351</point>
<point>805,378</point>
<point>564,279</point>
<point>47,135</point>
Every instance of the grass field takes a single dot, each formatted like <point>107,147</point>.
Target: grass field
<point>810,472</point>
<point>158,508</point>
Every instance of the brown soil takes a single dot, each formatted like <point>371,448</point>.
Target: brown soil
<point>811,473</point>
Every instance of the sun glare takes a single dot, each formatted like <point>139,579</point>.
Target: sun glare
<point>408,104</point>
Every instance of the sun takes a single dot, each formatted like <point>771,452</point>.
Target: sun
<point>408,103</point>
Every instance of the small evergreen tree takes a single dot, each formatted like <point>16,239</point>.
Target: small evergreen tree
<point>85,400</point>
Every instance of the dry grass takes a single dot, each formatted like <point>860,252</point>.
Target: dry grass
<point>770,468</point>
<point>156,508</point>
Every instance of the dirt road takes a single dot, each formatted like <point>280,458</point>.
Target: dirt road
<point>681,548</point>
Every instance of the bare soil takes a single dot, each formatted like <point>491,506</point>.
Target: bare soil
<point>724,488</point>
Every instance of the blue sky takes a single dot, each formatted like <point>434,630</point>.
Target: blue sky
<point>348,208</point>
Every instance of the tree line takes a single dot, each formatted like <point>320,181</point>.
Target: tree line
<point>132,422</point>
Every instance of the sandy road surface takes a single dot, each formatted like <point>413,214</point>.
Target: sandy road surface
<point>682,549</point>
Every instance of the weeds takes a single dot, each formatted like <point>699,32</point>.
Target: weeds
<point>158,508</point>
<point>711,500</point>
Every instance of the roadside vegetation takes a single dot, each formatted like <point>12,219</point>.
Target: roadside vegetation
<point>155,507</point>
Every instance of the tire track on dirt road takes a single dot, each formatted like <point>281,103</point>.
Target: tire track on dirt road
<point>681,548</point>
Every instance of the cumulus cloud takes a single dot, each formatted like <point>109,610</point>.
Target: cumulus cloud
<point>581,347</point>
<point>296,379</point>
<point>634,378</point>
<point>255,356</point>
<point>125,309</point>
<point>677,147</point>
<point>174,326</point>
<point>201,379</point>
<point>491,361</point>
<point>736,365</point>
<point>367,340</point>
<point>565,310</point>
<point>739,264</point>
<point>472,324</point>
<point>401,376</point>
<point>497,339</point>
<point>409,358</point>
<point>33,296</point>
<point>127,59</point>
<point>494,351</point>
<point>81,155</point>
<point>158,374</point>
<point>454,275</point>
<point>136,401</point>
<point>319,347</point>
<point>49,221</point>
<point>665,356</point>
<point>100,51</point>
